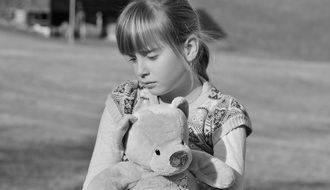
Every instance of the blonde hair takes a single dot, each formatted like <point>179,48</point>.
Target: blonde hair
<point>146,24</point>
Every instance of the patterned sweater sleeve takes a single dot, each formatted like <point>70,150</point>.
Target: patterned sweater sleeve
<point>118,103</point>
<point>122,99</point>
<point>231,126</point>
<point>229,114</point>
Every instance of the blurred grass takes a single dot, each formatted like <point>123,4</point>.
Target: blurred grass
<point>295,29</point>
<point>51,98</point>
<point>287,102</point>
<point>52,95</point>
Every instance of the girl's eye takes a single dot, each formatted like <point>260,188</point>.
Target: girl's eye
<point>132,59</point>
<point>152,56</point>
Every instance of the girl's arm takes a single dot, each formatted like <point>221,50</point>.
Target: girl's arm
<point>113,125</point>
<point>225,169</point>
<point>108,147</point>
<point>231,149</point>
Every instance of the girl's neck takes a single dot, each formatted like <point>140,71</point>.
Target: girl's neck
<point>191,94</point>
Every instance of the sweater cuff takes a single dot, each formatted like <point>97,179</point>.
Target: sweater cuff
<point>231,124</point>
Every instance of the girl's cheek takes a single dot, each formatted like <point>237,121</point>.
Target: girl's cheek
<point>134,69</point>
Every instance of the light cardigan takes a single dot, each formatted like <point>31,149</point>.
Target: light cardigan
<point>212,117</point>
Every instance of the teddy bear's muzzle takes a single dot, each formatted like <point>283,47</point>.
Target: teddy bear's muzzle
<point>178,159</point>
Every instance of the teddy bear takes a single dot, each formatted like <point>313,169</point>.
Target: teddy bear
<point>156,146</point>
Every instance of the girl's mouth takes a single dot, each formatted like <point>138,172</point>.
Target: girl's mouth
<point>149,85</point>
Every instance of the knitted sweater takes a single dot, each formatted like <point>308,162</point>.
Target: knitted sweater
<point>211,116</point>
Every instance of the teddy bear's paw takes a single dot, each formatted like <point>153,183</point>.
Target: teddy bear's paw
<point>184,181</point>
<point>155,183</point>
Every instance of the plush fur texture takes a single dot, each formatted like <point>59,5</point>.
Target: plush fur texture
<point>156,146</point>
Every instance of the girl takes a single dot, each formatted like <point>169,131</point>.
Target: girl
<point>163,41</point>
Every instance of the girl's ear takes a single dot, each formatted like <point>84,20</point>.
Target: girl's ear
<point>191,47</point>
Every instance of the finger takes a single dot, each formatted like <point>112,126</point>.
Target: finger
<point>126,122</point>
<point>132,119</point>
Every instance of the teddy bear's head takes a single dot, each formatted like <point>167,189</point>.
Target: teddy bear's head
<point>158,139</point>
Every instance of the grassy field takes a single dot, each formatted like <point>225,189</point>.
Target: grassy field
<point>52,95</point>
<point>291,28</point>
<point>51,99</point>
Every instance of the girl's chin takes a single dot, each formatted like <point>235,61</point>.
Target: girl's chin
<point>156,91</point>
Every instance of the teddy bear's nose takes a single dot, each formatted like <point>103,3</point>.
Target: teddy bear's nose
<point>178,159</point>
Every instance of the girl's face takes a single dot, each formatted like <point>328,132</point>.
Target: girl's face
<point>163,72</point>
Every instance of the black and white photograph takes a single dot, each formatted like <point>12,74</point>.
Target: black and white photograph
<point>164,94</point>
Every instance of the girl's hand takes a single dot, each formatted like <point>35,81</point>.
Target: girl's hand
<point>119,131</point>
<point>211,170</point>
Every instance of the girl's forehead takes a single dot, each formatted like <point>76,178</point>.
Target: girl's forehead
<point>151,49</point>
<point>147,48</point>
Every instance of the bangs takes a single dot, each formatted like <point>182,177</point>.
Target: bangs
<point>139,32</point>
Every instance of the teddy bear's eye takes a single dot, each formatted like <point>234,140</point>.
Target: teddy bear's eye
<point>182,142</point>
<point>157,152</point>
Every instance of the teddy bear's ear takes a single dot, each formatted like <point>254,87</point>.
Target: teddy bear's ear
<point>182,104</point>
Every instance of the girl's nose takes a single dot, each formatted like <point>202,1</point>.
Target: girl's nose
<point>141,70</point>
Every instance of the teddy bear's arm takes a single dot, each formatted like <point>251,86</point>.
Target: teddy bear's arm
<point>121,176</point>
<point>211,170</point>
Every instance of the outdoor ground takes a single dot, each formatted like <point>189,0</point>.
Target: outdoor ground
<point>52,95</point>
<point>290,28</point>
